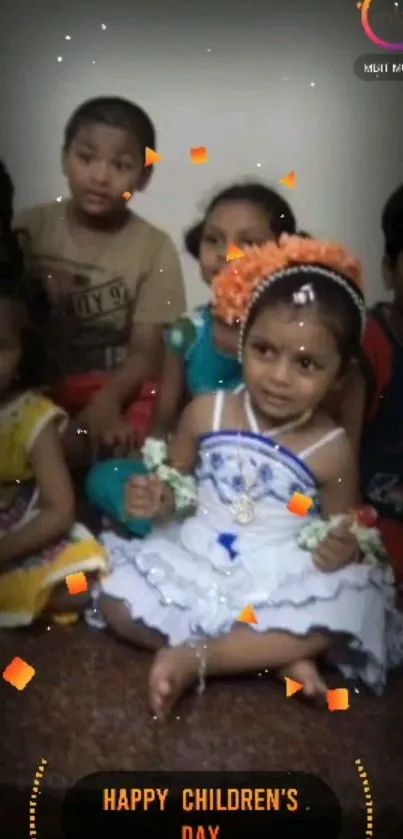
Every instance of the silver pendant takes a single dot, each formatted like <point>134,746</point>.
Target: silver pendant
<point>243,509</point>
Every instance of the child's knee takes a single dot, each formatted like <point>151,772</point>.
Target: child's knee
<point>118,618</point>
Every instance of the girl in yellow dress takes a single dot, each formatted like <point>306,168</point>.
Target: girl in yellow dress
<point>39,543</point>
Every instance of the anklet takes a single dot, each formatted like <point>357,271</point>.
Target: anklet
<point>201,656</point>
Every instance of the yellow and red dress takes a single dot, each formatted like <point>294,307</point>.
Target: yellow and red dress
<point>26,584</point>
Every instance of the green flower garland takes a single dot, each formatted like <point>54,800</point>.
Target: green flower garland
<point>155,455</point>
<point>368,539</point>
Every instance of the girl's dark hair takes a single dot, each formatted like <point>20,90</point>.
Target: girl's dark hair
<point>277,209</point>
<point>332,301</point>
<point>392,225</point>
<point>30,297</point>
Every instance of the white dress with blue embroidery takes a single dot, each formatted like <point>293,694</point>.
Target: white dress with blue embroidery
<point>192,580</point>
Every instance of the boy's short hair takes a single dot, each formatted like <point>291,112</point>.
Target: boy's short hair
<point>392,224</point>
<point>116,113</point>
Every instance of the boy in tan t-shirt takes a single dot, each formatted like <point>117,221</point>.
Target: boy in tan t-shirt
<point>115,280</point>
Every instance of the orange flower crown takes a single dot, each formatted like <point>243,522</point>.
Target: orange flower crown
<point>236,287</point>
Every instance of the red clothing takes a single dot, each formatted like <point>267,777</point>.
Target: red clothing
<point>381,456</point>
<point>392,537</point>
<point>77,391</point>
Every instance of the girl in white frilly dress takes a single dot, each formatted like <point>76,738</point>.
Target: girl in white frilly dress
<point>182,589</point>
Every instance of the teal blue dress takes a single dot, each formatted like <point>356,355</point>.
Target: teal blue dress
<point>206,370</point>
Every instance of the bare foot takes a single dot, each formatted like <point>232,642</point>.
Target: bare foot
<point>172,672</point>
<point>306,672</point>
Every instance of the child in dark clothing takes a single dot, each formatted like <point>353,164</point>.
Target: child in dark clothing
<point>374,405</point>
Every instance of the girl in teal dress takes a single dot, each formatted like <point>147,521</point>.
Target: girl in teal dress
<point>201,352</point>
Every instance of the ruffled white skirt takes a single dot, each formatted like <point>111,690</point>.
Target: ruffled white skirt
<point>182,582</point>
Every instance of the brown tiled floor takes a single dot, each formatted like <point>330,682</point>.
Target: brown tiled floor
<point>86,710</point>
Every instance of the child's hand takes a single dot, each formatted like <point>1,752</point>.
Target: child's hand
<point>106,425</point>
<point>147,498</point>
<point>338,549</point>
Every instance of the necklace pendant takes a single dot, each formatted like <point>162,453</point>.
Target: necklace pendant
<point>243,510</point>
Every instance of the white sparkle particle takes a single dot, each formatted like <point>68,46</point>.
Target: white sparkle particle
<point>67,37</point>
<point>59,58</point>
<point>104,27</point>
<point>259,165</point>
<point>93,62</point>
<point>312,84</point>
<point>59,198</point>
<point>209,50</point>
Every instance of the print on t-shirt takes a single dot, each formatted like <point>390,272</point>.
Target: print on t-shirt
<point>92,312</point>
<point>101,288</point>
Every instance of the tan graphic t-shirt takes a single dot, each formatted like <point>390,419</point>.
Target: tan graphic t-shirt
<point>101,287</point>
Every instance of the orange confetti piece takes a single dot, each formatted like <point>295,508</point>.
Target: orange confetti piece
<point>127,196</point>
<point>292,687</point>
<point>199,156</point>
<point>300,504</point>
<point>18,673</point>
<point>152,157</point>
<point>338,700</point>
<point>76,583</point>
<point>248,615</point>
<point>289,181</point>
<point>234,253</point>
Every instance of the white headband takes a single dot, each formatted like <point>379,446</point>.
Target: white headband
<point>301,269</point>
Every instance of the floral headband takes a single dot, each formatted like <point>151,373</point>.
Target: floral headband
<point>238,287</point>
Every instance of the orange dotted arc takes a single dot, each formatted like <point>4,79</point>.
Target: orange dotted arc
<point>33,799</point>
<point>369,804</point>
